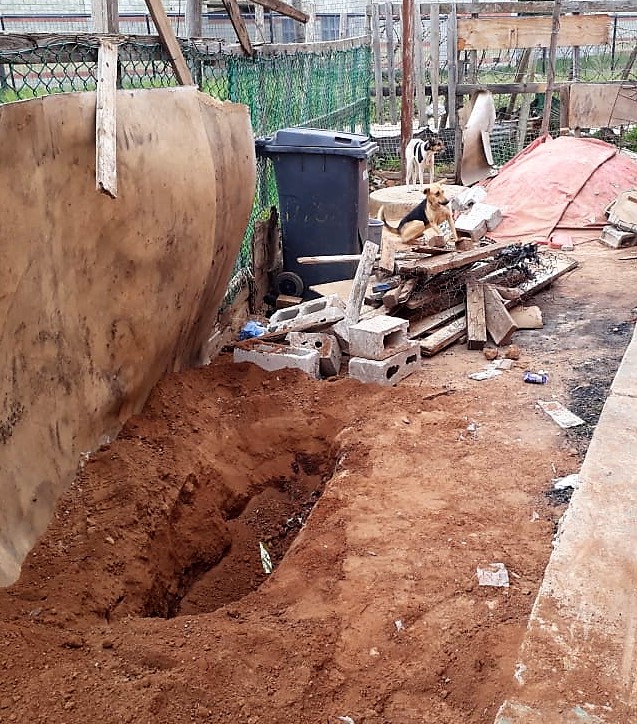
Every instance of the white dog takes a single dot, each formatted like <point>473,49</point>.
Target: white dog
<point>419,155</point>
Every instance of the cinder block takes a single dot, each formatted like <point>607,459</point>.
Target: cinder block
<point>389,371</point>
<point>616,238</point>
<point>474,226</point>
<point>378,337</point>
<point>273,357</point>
<point>325,344</point>
<point>297,311</point>
<point>491,214</point>
<point>307,322</point>
<point>467,198</point>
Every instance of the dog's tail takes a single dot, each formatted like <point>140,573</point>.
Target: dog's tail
<point>381,215</point>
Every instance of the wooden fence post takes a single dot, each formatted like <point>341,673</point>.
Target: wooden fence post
<point>391,65</point>
<point>105,16</point>
<point>452,105</point>
<point>550,74</point>
<point>434,52</point>
<point>378,73</point>
<point>407,97</point>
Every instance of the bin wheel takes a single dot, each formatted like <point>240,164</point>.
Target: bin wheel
<point>290,284</point>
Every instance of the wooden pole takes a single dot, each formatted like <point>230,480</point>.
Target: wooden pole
<point>105,16</point>
<point>193,18</point>
<point>378,72</point>
<point>452,107</point>
<point>391,66</point>
<point>434,35</point>
<point>419,67</point>
<point>550,74</point>
<point>169,41</point>
<point>407,99</point>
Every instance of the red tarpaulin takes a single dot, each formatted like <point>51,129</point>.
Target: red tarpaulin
<point>559,184</point>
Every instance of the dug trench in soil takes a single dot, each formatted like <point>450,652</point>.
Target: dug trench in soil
<point>374,612</point>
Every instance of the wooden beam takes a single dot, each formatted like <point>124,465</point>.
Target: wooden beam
<point>550,73</point>
<point>169,41</point>
<point>539,7</point>
<point>419,327</point>
<point>407,101</point>
<point>284,9</point>
<point>476,319</point>
<point>106,119</point>
<point>105,16</point>
<point>444,337</point>
<point>453,260</point>
<point>238,23</point>
<point>530,32</point>
<point>499,322</point>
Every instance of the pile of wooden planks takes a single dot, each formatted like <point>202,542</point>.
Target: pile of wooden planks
<point>464,295</point>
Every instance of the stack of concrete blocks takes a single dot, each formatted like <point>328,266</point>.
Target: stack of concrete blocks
<point>315,314</point>
<point>478,220</point>
<point>325,344</point>
<point>381,351</point>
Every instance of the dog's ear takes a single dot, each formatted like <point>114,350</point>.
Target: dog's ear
<point>425,189</point>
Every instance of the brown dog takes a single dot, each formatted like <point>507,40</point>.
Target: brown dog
<point>430,213</point>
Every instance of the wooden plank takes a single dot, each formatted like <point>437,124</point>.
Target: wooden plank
<point>361,280</point>
<point>259,23</point>
<point>105,15</point>
<point>452,100</point>
<point>530,32</point>
<point>539,7</point>
<point>444,337</point>
<point>387,255</point>
<point>550,73</point>
<point>500,324</point>
<point>558,267</point>
<point>106,119</point>
<point>407,86</point>
<point>328,258</point>
<point>434,53</point>
<point>453,260</point>
<point>391,65</point>
<point>169,41</point>
<point>378,70</point>
<point>595,105</point>
<point>476,319</point>
<point>238,23</point>
<point>426,324</point>
<point>281,7</point>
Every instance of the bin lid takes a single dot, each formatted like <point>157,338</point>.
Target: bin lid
<point>317,140</point>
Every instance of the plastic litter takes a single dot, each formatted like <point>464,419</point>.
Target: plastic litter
<point>266,561</point>
<point>536,378</point>
<point>252,329</point>
<point>493,574</point>
<point>485,374</point>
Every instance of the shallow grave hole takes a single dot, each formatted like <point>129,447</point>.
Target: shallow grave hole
<point>273,513</point>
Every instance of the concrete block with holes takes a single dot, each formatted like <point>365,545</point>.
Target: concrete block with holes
<point>388,371</point>
<point>326,345</point>
<point>378,337</point>
<point>272,357</point>
<point>331,308</point>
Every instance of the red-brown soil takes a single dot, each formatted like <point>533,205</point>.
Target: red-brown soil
<point>146,600</point>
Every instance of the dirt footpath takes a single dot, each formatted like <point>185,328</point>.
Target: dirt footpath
<point>146,601</point>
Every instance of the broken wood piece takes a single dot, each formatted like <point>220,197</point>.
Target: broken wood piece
<point>283,301</point>
<point>238,23</point>
<point>476,319</point>
<point>444,337</point>
<point>361,280</point>
<point>387,255</point>
<point>510,293</point>
<point>500,324</point>
<point>284,9</point>
<point>431,249</point>
<point>106,119</point>
<point>328,259</point>
<point>169,41</point>
<point>426,324</point>
<point>527,317</point>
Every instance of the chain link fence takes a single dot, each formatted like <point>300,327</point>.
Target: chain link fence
<point>612,61</point>
<point>326,88</point>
